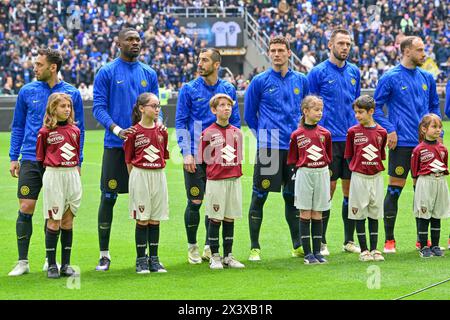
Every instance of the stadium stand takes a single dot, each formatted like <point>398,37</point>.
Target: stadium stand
<point>85,31</point>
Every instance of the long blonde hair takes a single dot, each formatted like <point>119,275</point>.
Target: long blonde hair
<point>426,122</point>
<point>308,102</point>
<point>50,119</point>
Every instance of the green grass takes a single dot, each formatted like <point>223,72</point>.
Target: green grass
<point>277,276</point>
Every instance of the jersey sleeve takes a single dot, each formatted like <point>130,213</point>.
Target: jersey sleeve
<point>445,156</point>
<point>305,86</point>
<point>313,81</point>
<point>235,119</point>
<point>348,154</point>
<point>434,106</point>
<point>447,99</point>
<point>329,145</point>
<point>383,146</point>
<point>252,99</point>
<point>181,121</point>
<point>414,163</point>
<point>128,147</point>
<point>79,118</point>
<point>166,145</point>
<point>293,150</point>
<point>381,96</point>
<point>358,83</point>
<point>18,127</point>
<point>101,100</point>
<point>202,146</point>
<point>41,145</point>
<point>240,146</point>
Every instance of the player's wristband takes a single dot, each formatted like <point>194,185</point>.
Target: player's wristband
<point>117,130</point>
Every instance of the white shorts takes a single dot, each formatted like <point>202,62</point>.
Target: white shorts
<point>431,198</point>
<point>148,199</point>
<point>62,190</point>
<point>366,198</point>
<point>223,199</point>
<point>312,189</point>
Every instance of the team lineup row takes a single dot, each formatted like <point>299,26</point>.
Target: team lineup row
<point>272,102</point>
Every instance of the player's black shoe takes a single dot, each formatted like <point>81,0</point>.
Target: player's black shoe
<point>436,251</point>
<point>52,272</point>
<point>425,252</point>
<point>142,265</point>
<point>155,265</point>
<point>319,257</point>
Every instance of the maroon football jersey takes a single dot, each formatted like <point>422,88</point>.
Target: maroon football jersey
<point>221,149</point>
<point>59,147</point>
<point>429,158</point>
<point>310,147</point>
<point>367,149</point>
<point>146,148</point>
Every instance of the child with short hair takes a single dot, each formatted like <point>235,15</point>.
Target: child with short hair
<point>221,150</point>
<point>311,152</point>
<point>145,154</point>
<point>58,148</point>
<point>429,168</point>
<point>365,151</point>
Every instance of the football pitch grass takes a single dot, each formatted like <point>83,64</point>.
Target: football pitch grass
<point>277,277</point>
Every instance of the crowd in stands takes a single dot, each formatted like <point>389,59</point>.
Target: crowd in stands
<point>377,26</point>
<point>85,30</point>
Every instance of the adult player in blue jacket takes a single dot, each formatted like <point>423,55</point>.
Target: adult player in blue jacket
<point>28,119</point>
<point>447,113</point>
<point>272,111</point>
<point>337,82</point>
<point>116,88</point>
<point>408,93</point>
<point>193,115</point>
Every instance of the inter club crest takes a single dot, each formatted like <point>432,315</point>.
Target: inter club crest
<point>216,207</point>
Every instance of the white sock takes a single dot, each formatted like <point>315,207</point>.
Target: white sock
<point>105,254</point>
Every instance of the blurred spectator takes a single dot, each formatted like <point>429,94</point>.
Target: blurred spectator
<point>377,27</point>
<point>85,92</point>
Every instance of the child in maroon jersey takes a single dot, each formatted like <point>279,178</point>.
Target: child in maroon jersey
<point>429,168</point>
<point>58,148</point>
<point>221,150</point>
<point>365,151</point>
<point>311,152</point>
<point>145,155</point>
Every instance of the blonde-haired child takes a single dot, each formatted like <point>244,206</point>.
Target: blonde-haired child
<point>58,148</point>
